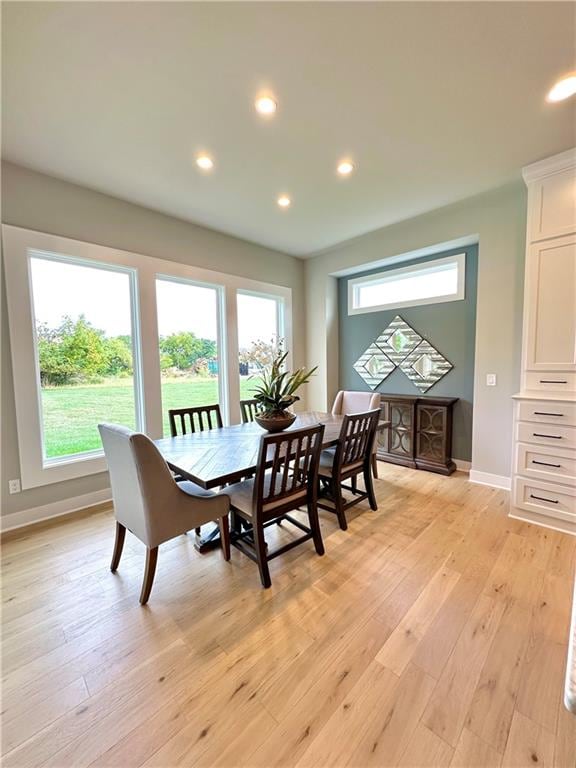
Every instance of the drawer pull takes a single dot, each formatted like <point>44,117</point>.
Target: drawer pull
<point>546,464</point>
<point>553,381</point>
<point>544,413</point>
<point>541,498</point>
<point>552,437</point>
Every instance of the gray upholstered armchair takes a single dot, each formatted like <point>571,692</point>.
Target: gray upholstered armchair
<point>348,403</point>
<point>149,502</point>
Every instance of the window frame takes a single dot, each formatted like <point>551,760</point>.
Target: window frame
<point>139,415</point>
<point>357,283</point>
<point>17,243</point>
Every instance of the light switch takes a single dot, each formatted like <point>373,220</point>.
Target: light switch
<point>490,379</point>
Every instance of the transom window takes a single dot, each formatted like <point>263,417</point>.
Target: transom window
<point>428,282</point>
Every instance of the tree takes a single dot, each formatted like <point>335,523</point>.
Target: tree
<point>75,351</point>
<point>183,349</point>
<point>119,356</point>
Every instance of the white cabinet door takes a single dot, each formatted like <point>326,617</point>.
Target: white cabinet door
<point>551,310</point>
<point>552,206</point>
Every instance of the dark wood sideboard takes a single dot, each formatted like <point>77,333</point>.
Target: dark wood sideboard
<point>420,432</point>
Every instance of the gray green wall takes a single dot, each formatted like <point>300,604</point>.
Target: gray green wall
<point>450,327</point>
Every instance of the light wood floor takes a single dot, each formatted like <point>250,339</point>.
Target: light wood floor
<point>432,633</point>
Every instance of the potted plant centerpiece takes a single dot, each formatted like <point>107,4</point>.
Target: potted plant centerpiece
<point>276,392</point>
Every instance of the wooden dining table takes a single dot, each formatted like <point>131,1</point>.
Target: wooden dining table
<point>217,457</point>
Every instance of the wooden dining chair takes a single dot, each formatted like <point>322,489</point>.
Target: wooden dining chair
<point>351,457</point>
<point>196,419</point>
<point>149,503</point>
<point>278,488</point>
<point>249,409</point>
<point>358,402</point>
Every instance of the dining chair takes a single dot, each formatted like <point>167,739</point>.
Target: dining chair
<point>195,419</point>
<point>351,457</point>
<point>249,409</point>
<point>149,503</point>
<point>286,479</point>
<point>358,402</point>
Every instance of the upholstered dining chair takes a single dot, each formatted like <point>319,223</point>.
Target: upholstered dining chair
<point>149,503</point>
<point>358,402</point>
<point>350,458</point>
<point>286,479</point>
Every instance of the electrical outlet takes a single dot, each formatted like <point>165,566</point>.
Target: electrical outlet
<point>490,379</point>
<point>14,486</point>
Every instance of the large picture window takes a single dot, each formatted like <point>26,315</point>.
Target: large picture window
<point>188,320</point>
<point>98,334</point>
<point>260,330</point>
<point>83,322</point>
<point>430,282</point>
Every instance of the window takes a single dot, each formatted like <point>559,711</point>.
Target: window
<point>188,320</point>
<point>92,337</point>
<point>260,328</point>
<point>84,352</point>
<point>428,282</point>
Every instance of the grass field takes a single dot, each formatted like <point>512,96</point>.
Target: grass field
<point>71,413</point>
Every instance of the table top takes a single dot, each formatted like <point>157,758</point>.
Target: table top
<point>227,455</point>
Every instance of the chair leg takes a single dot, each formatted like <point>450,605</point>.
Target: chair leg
<point>225,536</point>
<point>339,505</point>
<point>151,560</point>
<point>374,466</point>
<point>315,528</point>
<point>118,546</point>
<point>260,547</point>
<point>354,482</point>
<point>370,490</point>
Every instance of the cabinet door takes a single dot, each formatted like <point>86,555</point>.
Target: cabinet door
<point>431,433</point>
<point>551,305</point>
<point>401,430</point>
<point>552,205</point>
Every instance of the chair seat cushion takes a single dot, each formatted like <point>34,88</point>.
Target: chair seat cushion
<point>241,495</point>
<point>193,490</point>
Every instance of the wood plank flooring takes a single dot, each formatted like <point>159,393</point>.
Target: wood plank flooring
<point>432,633</point>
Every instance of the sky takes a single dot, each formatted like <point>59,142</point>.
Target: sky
<point>103,297</point>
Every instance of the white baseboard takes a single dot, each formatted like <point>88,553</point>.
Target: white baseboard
<point>543,521</point>
<point>461,465</point>
<point>55,509</point>
<point>485,478</point>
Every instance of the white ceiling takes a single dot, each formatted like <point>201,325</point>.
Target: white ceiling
<point>435,102</point>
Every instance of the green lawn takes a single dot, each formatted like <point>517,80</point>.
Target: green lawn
<point>72,413</point>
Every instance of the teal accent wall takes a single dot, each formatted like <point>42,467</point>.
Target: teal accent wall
<point>450,327</point>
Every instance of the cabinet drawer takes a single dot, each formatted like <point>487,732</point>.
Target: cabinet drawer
<point>548,464</point>
<point>547,412</point>
<point>551,382</point>
<point>556,435</point>
<point>557,501</point>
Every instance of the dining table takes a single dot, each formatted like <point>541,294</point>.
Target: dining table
<point>217,457</point>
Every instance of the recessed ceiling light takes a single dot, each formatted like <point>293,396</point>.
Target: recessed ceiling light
<point>265,105</point>
<point>205,162</point>
<point>284,201</point>
<point>563,89</point>
<point>345,168</point>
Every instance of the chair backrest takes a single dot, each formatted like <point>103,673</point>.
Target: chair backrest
<point>356,441</point>
<point>197,419</point>
<point>249,409</point>
<point>287,474</point>
<point>140,479</point>
<point>355,402</point>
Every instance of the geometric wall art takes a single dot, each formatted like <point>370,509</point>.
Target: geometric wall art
<point>399,345</point>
